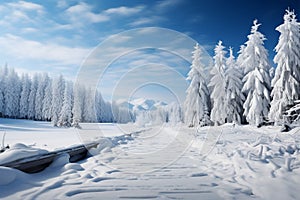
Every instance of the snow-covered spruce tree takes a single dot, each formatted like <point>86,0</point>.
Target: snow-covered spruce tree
<point>24,96</point>
<point>89,112</point>
<point>218,82</point>
<point>197,102</point>
<point>12,93</point>
<point>65,116</point>
<point>2,90</point>
<point>31,98</point>
<point>39,97</point>
<point>286,82</point>
<point>235,98</point>
<point>58,88</point>
<point>257,78</point>
<point>77,110</point>
<point>47,101</point>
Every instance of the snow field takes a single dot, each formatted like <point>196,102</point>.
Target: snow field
<point>225,162</point>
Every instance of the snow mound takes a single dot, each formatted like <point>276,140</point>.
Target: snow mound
<point>8,175</point>
<point>19,151</point>
<point>106,144</point>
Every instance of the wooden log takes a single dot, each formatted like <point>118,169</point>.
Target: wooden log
<point>34,164</point>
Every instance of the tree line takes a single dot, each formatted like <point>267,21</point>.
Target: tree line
<point>39,97</point>
<point>248,89</point>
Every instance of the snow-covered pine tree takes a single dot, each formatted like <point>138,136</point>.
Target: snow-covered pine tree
<point>174,113</point>
<point>286,82</point>
<point>197,102</point>
<point>257,78</point>
<point>2,90</point>
<point>31,98</point>
<point>218,82</point>
<point>89,112</point>
<point>47,101</point>
<point>58,88</point>
<point>26,84</point>
<point>65,116</point>
<point>77,110</point>
<point>39,97</point>
<point>235,98</point>
<point>12,94</point>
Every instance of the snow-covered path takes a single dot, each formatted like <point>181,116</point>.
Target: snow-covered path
<point>172,163</point>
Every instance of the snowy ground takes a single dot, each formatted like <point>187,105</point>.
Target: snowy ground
<point>168,162</point>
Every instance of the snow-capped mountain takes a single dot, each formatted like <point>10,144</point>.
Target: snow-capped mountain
<point>141,104</point>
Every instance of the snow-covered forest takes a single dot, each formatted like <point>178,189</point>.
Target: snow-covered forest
<point>40,97</point>
<point>242,90</point>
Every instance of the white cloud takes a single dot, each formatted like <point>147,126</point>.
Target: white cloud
<point>165,4</point>
<point>123,10</point>
<point>62,4</point>
<point>146,21</point>
<point>29,6</point>
<point>82,13</point>
<point>26,5</point>
<point>20,12</point>
<point>15,47</point>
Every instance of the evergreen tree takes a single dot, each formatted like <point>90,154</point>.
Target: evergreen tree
<point>235,98</point>
<point>39,97</point>
<point>65,117</point>
<point>218,82</point>
<point>2,90</point>
<point>58,88</point>
<point>197,102</point>
<point>26,84</point>
<point>257,78</point>
<point>31,98</point>
<point>11,94</point>
<point>47,101</point>
<point>77,109</point>
<point>286,82</point>
<point>89,112</point>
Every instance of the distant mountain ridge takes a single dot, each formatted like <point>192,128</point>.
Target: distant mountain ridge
<point>141,104</point>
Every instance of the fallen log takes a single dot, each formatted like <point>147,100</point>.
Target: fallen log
<point>34,164</point>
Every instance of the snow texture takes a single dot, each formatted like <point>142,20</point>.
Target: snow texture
<point>223,162</point>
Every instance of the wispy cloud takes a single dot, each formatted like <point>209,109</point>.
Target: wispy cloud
<point>15,48</point>
<point>20,12</point>
<point>82,13</point>
<point>146,21</point>
<point>123,10</point>
<point>29,6</point>
<point>166,4</point>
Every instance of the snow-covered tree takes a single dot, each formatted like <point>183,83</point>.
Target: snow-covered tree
<point>65,116</point>
<point>47,101</point>
<point>24,96</point>
<point>197,102</point>
<point>58,88</point>
<point>174,113</point>
<point>286,82</point>
<point>11,94</point>
<point>77,110</point>
<point>31,98</point>
<point>39,97</point>
<point>89,112</point>
<point>257,78</point>
<point>235,98</point>
<point>218,82</point>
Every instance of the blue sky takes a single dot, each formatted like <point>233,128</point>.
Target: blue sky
<point>56,36</point>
